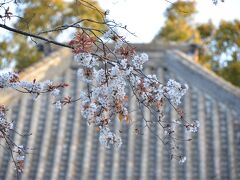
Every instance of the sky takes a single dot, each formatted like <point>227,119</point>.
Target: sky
<point>145,17</point>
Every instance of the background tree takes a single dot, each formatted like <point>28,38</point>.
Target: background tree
<point>178,25</point>
<point>223,44</point>
<point>219,46</point>
<point>226,50</point>
<point>206,30</point>
<point>227,40</point>
<point>39,16</point>
<point>231,72</point>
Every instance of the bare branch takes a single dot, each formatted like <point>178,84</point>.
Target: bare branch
<point>34,36</point>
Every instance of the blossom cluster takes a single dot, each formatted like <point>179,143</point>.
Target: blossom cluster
<point>193,127</point>
<point>20,151</point>
<point>182,160</point>
<point>108,80</point>
<point>12,80</point>
<point>5,128</point>
<point>8,79</point>
<point>174,91</point>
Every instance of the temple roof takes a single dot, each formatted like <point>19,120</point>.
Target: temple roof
<point>65,147</point>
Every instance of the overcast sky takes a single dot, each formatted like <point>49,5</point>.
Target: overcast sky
<point>145,17</point>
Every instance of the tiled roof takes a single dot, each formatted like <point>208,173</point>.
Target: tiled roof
<point>65,147</point>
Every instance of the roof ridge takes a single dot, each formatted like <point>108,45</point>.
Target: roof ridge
<point>207,73</point>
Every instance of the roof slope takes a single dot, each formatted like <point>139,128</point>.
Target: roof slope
<point>67,148</point>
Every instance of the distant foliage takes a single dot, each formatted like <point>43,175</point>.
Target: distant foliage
<point>231,72</point>
<point>219,46</point>
<point>178,26</point>
<point>39,16</point>
<point>225,48</point>
<point>206,30</point>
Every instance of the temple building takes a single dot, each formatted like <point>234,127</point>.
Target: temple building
<point>65,147</point>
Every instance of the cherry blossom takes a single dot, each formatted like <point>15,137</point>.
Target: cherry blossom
<point>182,160</point>
<point>193,127</point>
<point>108,80</point>
<point>108,138</point>
<point>110,67</point>
<point>108,76</point>
<point>11,80</point>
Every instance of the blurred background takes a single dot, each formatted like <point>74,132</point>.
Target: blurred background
<point>67,148</point>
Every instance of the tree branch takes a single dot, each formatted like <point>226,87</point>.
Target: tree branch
<point>34,36</point>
